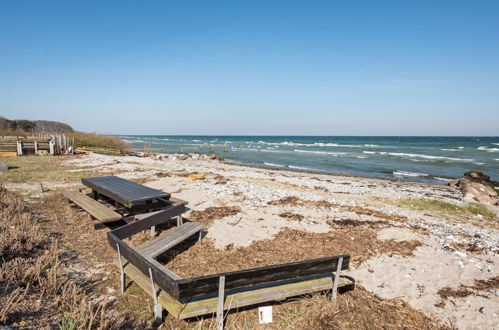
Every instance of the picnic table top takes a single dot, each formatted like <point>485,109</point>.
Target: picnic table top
<point>123,191</point>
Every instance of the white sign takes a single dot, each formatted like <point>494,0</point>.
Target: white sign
<point>265,314</point>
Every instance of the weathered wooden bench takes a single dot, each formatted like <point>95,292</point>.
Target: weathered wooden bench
<point>93,207</point>
<point>165,242</point>
<point>189,297</point>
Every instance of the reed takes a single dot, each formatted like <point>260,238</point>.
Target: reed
<point>93,140</point>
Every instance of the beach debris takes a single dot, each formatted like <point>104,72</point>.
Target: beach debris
<point>210,214</point>
<point>476,187</point>
<point>196,176</point>
<point>292,216</point>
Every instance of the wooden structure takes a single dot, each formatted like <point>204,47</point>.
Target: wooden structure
<point>113,198</point>
<point>33,145</point>
<point>94,208</point>
<point>124,192</point>
<point>189,297</point>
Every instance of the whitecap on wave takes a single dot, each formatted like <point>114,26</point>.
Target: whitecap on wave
<point>412,156</point>
<point>488,149</point>
<point>302,168</point>
<point>272,164</point>
<point>321,152</point>
<point>412,174</point>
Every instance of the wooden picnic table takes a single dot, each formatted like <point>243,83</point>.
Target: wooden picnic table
<point>122,191</point>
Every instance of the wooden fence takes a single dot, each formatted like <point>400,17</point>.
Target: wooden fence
<point>41,144</point>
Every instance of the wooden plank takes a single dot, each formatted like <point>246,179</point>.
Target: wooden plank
<point>208,284</point>
<point>142,263</point>
<point>147,222</point>
<point>234,299</point>
<point>165,242</point>
<point>123,191</point>
<point>94,208</point>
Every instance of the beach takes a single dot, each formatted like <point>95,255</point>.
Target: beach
<point>442,263</point>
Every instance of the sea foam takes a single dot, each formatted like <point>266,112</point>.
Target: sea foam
<point>404,173</point>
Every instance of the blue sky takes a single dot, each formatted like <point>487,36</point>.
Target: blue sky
<point>253,67</point>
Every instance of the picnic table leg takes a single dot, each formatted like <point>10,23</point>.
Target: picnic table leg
<point>153,231</point>
<point>94,194</point>
<point>122,271</point>
<point>336,278</point>
<point>158,309</point>
<point>220,306</point>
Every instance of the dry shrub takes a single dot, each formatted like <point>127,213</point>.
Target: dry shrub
<point>210,214</point>
<point>292,216</point>
<point>19,233</point>
<point>288,246</point>
<point>35,289</point>
<point>466,290</point>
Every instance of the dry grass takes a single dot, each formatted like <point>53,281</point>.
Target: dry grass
<point>287,246</point>
<point>36,169</point>
<point>35,289</point>
<point>98,141</point>
<point>444,208</point>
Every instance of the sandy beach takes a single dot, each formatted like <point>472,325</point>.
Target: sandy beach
<point>455,252</point>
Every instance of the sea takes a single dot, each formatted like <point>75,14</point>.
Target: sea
<point>422,159</point>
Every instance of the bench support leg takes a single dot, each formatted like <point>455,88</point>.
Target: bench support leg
<point>122,271</point>
<point>158,309</point>
<point>153,231</point>
<point>336,278</point>
<point>179,221</point>
<point>200,239</point>
<point>220,306</point>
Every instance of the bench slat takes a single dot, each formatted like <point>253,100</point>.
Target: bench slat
<point>165,242</point>
<point>93,207</point>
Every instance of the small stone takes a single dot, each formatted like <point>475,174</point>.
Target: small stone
<point>481,310</point>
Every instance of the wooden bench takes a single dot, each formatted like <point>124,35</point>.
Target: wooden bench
<point>165,242</point>
<point>93,207</point>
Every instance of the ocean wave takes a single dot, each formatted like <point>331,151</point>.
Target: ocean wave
<point>362,157</point>
<point>497,144</point>
<point>441,179</point>
<point>412,156</point>
<point>272,164</point>
<point>196,140</point>
<point>412,174</point>
<point>488,149</point>
<point>450,149</point>
<point>321,152</point>
<point>369,152</point>
<point>302,168</point>
<point>317,144</point>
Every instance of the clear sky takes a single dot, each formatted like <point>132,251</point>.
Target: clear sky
<point>253,67</point>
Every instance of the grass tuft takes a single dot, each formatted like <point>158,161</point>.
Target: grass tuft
<point>433,205</point>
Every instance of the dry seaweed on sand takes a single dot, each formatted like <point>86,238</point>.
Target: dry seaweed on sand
<point>210,214</point>
<point>292,216</point>
<point>288,246</point>
<point>463,291</point>
<point>296,201</point>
